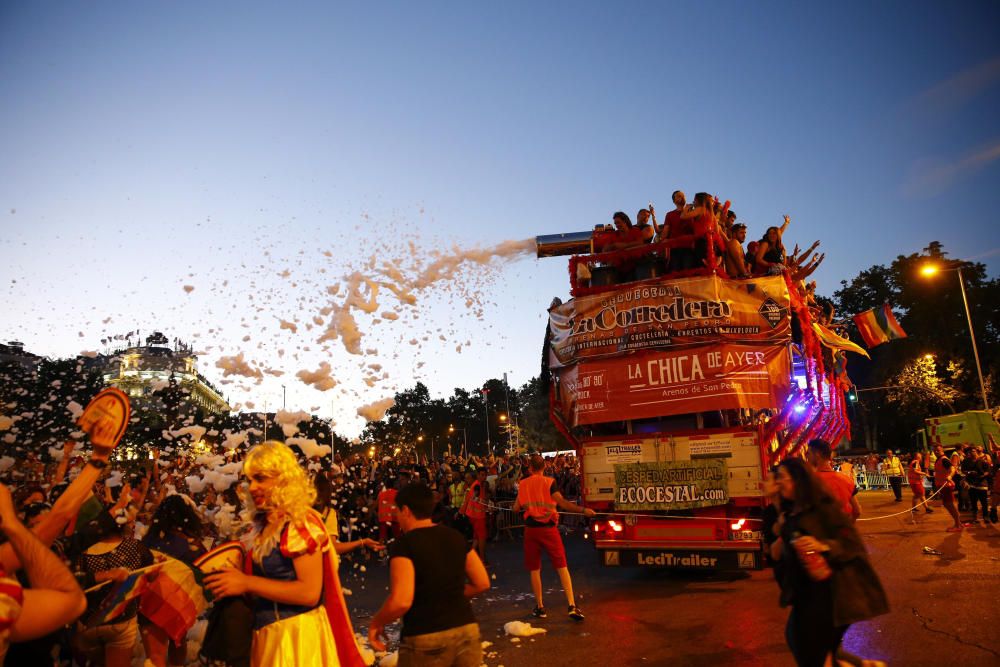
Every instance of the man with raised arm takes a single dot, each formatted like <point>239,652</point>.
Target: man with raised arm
<point>538,498</point>
<point>54,599</point>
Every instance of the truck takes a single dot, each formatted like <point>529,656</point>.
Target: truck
<point>679,391</point>
<point>972,427</point>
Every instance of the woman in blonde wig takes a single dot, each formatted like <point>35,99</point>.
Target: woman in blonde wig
<point>300,617</point>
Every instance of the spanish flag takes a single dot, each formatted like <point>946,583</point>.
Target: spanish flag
<point>878,326</point>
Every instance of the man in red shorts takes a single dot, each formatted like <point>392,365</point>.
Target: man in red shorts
<point>538,498</point>
<point>477,499</point>
<point>943,471</point>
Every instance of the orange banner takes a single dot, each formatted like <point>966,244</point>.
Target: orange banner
<point>670,313</point>
<point>671,382</point>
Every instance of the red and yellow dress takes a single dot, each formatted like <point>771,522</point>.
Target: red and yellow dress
<point>288,635</point>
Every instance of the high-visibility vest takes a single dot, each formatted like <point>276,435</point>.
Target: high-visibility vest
<point>535,500</point>
<point>893,467</point>
<point>457,493</point>
<point>475,502</point>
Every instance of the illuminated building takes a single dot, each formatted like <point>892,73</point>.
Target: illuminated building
<point>142,369</point>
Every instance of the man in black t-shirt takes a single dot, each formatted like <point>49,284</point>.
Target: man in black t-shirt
<point>432,575</point>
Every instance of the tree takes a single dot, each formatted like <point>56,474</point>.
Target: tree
<point>933,316</point>
<point>918,387</point>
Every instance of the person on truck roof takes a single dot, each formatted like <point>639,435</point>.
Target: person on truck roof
<point>735,264</point>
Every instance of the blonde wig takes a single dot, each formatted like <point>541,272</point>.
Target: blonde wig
<point>290,499</point>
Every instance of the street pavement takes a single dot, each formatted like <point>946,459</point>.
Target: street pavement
<point>944,607</point>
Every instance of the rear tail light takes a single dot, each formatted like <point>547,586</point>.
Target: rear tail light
<point>615,526</point>
<point>737,525</point>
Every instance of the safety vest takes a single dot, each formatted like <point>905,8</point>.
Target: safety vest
<point>893,467</point>
<point>475,502</point>
<point>457,493</point>
<point>534,498</point>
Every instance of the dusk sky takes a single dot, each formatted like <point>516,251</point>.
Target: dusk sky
<point>257,153</point>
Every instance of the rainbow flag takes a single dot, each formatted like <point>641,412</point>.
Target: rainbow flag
<point>120,595</point>
<point>878,326</point>
<point>174,599</point>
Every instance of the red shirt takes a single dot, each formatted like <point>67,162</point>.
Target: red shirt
<point>841,487</point>
<point>677,227</point>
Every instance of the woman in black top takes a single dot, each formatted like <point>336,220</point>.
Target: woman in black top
<point>112,558</point>
<point>819,617</point>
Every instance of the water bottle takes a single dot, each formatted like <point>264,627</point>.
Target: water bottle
<point>815,565</point>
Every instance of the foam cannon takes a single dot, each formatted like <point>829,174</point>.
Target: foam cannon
<point>569,243</point>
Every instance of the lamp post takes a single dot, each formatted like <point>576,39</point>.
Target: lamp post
<point>486,408</point>
<point>505,425</point>
<point>933,269</point>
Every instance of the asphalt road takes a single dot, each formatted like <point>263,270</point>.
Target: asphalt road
<point>944,608</point>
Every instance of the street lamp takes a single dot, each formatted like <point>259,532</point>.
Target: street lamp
<point>929,270</point>
<point>505,426</point>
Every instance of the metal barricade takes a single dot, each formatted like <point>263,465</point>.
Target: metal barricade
<point>507,520</point>
<point>867,481</point>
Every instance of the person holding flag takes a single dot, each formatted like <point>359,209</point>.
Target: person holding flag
<point>292,570</point>
<point>174,599</point>
<point>108,630</point>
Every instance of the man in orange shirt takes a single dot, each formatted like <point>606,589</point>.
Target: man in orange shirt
<point>537,498</point>
<point>838,485</point>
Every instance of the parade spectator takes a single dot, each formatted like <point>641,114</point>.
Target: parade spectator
<point>112,558</point>
<point>893,468</point>
<point>290,564</point>
<point>176,531</point>
<point>837,484</point>
<point>474,507</point>
<point>961,487</point>
<point>977,473</point>
<point>995,486</point>
<point>432,576</point>
<point>538,498</point>
<point>387,523</point>
<point>734,257</point>
<point>54,598</point>
<point>813,536</point>
<point>915,477</point>
<point>944,472</point>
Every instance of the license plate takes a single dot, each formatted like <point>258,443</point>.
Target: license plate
<point>746,535</point>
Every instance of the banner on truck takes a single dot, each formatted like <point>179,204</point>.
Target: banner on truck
<point>671,485</point>
<point>672,382</point>
<point>685,311</point>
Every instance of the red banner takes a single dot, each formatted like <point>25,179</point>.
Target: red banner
<point>669,313</point>
<point>671,382</point>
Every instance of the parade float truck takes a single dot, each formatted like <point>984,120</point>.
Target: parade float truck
<point>678,392</point>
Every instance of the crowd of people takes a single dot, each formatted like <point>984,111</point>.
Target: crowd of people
<point>101,523</point>
<point>78,528</point>
<point>966,479</point>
